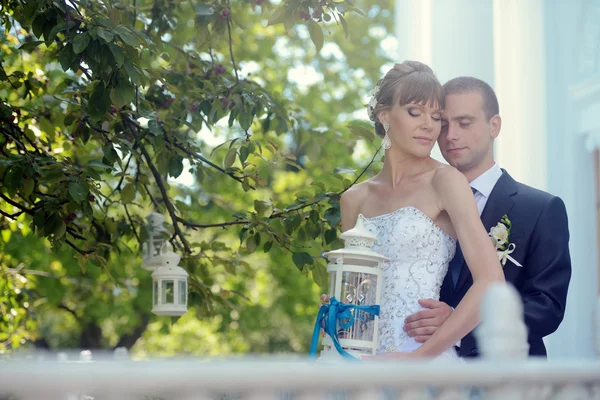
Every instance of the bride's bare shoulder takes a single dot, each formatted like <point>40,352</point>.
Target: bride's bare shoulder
<point>355,196</point>
<point>351,202</point>
<point>446,177</point>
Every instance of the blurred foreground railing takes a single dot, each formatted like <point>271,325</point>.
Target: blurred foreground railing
<point>503,373</point>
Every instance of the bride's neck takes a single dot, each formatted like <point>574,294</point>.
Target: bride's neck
<point>398,166</point>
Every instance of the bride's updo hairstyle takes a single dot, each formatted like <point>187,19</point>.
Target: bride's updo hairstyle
<point>406,83</point>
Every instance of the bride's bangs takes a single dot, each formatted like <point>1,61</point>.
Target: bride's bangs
<point>420,89</point>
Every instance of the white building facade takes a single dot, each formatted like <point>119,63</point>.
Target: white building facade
<point>542,57</point>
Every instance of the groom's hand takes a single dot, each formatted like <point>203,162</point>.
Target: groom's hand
<point>422,324</point>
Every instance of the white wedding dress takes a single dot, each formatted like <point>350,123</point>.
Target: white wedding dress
<point>419,253</point>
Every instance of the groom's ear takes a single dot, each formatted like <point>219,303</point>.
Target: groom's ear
<point>496,124</point>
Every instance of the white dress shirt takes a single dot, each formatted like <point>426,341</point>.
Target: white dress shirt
<point>484,184</point>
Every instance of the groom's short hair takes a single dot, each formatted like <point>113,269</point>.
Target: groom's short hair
<point>465,84</point>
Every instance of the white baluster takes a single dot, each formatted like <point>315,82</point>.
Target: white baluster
<point>121,353</point>
<point>502,333</point>
<point>312,395</point>
<point>267,395</point>
<point>453,394</point>
<point>572,392</point>
<point>597,328</point>
<point>366,394</point>
<point>539,391</point>
<point>595,390</point>
<point>196,396</point>
<point>413,394</point>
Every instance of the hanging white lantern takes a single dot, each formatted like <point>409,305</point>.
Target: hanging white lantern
<point>156,243</point>
<point>355,279</point>
<point>169,287</point>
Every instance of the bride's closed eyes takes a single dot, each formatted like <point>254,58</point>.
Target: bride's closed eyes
<point>415,112</point>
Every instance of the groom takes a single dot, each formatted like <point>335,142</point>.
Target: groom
<point>539,223</point>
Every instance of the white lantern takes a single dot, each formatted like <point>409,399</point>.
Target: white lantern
<point>156,243</point>
<point>169,287</point>
<point>355,282</point>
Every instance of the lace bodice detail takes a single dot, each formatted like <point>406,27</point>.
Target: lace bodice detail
<point>419,253</point>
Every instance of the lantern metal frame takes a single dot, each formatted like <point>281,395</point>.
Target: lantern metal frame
<point>355,257</point>
<point>169,271</point>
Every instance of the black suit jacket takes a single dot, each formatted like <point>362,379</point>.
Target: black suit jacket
<point>541,235</point>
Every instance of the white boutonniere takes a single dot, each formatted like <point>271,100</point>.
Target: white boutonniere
<point>500,235</point>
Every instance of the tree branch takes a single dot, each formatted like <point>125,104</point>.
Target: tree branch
<point>129,339</point>
<point>80,251</point>
<point>17,205</point>
<point>166,199</point>
<point>237,78</point>
<point>132,225</point>
<point>279,214</point>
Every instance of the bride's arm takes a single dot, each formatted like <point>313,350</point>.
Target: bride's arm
<point>456,198</point>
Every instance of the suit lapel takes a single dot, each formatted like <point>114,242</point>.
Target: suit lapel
<point>499,203</point>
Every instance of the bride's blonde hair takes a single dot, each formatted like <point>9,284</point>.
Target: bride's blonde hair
<point>409,82</point>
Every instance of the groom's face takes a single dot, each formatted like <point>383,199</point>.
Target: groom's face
<point>466,138</point>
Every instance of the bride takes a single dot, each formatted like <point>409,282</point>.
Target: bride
<point>417,208</point>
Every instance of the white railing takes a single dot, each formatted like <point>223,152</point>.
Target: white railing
<point>503,373</point>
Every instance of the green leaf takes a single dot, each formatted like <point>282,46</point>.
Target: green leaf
<point>301,259</point>
<point>60,230</point>
<point>118,53</point>
<point>175,166</point>
<point>316,35</point>
<point>267,246</point>
<point>330,235</point>
<point>38,25</point>
<point>229,158</point>
<point>245,119</point>
<point>78,191</point>
<point>122,95</point>
<point>243,154</point>
<point>107,35</point>
<point>66,57</point>
<point>278,16</point>
<point>53,32</point>
<point>97,164</point>
<point>133,72</point>
<point>253,242</point>
<point>127,36</point>
<point>366,132</point>
<point>344,25</point>
<point>28,185</point>
<point>203,9</point>
<point>80,43</point>
<point>30,45</point>
<point>128,193</point>
<point>320,275</point>
<point>110,154</point>
<point>332,215</point>
<point>99,101</point>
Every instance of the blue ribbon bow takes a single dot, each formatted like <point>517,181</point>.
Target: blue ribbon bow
<point>328,318</point>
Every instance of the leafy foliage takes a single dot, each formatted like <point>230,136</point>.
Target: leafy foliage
<point>106,108</point>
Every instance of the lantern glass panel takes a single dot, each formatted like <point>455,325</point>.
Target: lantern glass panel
<point>157,244</point>
<point>359,288</point>
<point>155,293</point>
<point>182,292</point>
<point>168,292</point>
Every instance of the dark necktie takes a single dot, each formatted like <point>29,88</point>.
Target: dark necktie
<point>458,260</point>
